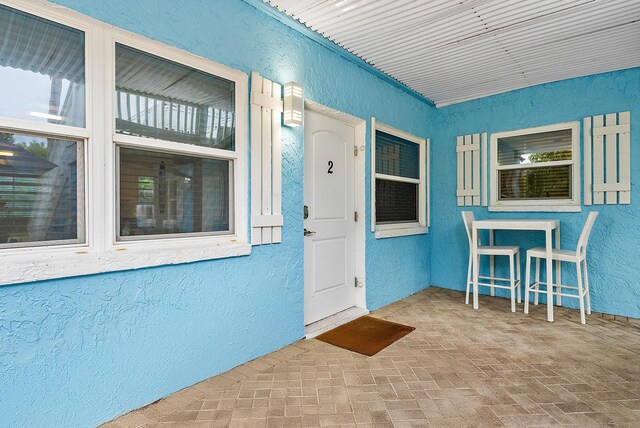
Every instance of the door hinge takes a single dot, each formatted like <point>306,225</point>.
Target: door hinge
<point>355,216</point>
<point>355,150</point>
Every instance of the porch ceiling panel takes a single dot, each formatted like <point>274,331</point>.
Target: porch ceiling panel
<point>453,51</point>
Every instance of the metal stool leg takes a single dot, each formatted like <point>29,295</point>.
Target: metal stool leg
<point>527,284</point>
<point>466,299</point>
<point>586,286</point>
<point>512,277</point>
<point>519,277</point>
<point>537,287</point>
<point>580,293</point>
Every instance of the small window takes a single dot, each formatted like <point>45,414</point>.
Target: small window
<point>175,139</point>
<point>536,169</point>
<point>42,179</point>
<point>399,182</point>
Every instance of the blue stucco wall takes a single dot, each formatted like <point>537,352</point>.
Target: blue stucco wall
<point>615,242</point>
<point>80,351</point>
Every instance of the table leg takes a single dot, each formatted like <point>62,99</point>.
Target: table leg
<point>558,267</point>
<point>549,276</point>
<point>491,264</point>
<point>475,267</point>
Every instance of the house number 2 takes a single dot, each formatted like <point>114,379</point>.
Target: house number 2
<point>330,170</point>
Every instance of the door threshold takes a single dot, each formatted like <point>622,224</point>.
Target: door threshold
<point>317,328</point>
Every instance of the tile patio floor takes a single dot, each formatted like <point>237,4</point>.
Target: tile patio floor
<point>459,368</point>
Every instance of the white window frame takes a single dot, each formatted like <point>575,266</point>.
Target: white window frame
<point>101,252</point>
<point>239,219</point>
<point>391,230</point>
<point>82,134</point>
<point>551,205</point>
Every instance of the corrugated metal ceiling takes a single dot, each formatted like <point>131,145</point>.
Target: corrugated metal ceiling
<point>453,51</point>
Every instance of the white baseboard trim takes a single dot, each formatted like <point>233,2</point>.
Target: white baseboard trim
<point>317,328</point>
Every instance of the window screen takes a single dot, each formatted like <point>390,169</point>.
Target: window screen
<point>396,202</point>
<point>169,194</point>
<point>396,156</point>
<point>397,179</point>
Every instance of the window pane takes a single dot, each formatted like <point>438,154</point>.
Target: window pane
<point>535,148</point>
<point>535,183</point>
<point>41,186</point>
<point>395,156</point>
<point>157,98</point>
<point>41,69</point>
<point>162,194</point>
<point>396,202</point>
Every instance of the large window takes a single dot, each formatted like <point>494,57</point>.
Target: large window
<point>399,182</point>
<point>536,169</point>
<point>42,180</point>
<point>184,185</point>
<point>116,151</point>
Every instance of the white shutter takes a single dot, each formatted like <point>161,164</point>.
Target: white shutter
<point>472,169</point>
<point>266,161</point>
<point>460,160</point>
<point>607,154</point>
<point>483,171</point>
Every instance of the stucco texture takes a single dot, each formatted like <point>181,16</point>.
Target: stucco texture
<point>614,246</point>
<point>79,351</point>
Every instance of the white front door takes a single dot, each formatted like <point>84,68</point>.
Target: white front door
<point>329,252</point>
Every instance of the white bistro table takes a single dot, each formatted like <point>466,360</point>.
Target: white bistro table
<point>547,226</point>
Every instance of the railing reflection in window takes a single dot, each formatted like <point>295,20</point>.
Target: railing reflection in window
<point>167,120</point>
<point>161,99</point>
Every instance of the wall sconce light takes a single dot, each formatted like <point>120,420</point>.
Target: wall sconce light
<point>293,104</point>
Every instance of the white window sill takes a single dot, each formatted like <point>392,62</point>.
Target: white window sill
<point>535,208</point>
<point>34,264</point>
<point>396,230</point>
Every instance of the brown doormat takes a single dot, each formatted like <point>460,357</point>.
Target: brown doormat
<point>366,335</point>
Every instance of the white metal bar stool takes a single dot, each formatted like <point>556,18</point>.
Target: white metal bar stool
<point>513,252</point>
<point>577,256</point>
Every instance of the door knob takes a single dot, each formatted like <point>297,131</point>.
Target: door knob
<point>308,232</point>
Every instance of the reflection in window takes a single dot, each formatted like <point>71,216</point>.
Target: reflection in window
<point>40,190</point>
<point>525,170</point>
<point>535,148</point>
<point>396,156</point>
<point>535,183</point>
<point>166,194</point>
<point>157,98</point>
<point>41,70</point>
